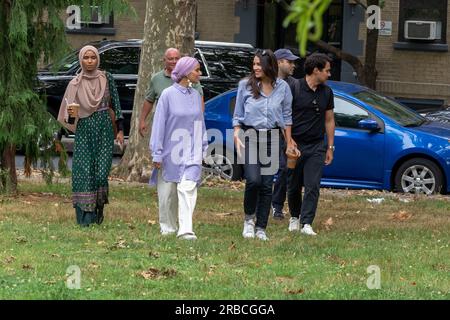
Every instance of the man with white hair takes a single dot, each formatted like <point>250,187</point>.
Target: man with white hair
<point>160,81</point>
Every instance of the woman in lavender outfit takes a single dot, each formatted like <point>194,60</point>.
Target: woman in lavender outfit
<point>178,143</point>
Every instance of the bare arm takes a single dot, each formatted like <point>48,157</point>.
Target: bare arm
<point>146,109</point>
<point>329,128</point>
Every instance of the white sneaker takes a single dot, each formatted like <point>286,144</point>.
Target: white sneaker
<point>261,235</point>
<point>188,236</point>
<point>308,230</point>
<point>294,224</point>
<point>249,229</point>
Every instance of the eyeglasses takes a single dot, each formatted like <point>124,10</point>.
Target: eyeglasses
<point>263,52</point>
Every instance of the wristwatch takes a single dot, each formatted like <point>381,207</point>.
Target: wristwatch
<point>331,147</point>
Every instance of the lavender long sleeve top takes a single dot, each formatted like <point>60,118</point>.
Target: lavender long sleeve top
<point>179,139</point>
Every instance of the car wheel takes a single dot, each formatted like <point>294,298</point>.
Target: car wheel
<point>420,176</point>
<point>219,164</point>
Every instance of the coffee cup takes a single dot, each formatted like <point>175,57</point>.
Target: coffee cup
<point>72,110</point>
<point>292,157</point>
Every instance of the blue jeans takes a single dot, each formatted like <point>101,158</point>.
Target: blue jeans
<point>280,185</point>
<point>258,186</point>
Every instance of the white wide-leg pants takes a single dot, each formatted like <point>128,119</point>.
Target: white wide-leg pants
<point>176,198</point>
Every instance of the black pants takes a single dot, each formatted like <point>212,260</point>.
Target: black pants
<point>307,173</point>
<point>280,185</point>
<point>259,177</point>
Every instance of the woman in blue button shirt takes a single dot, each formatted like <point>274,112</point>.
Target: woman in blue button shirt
<point>263,109</point>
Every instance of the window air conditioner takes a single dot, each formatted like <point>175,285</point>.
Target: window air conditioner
<point>96,17</point>
<point>422,30</point>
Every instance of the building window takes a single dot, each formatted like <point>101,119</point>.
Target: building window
<point>96,23</point>
<point>423,21</point>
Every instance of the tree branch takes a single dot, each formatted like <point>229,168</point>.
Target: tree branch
<point>354,61</point>
<point>361,4</point>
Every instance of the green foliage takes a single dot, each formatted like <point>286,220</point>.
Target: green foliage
<point>32,30</point>
<point>307,14</point>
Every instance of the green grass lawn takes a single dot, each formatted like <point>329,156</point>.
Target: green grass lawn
<point>127,258</point>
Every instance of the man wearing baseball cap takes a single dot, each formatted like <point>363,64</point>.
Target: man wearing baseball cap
<point>286,65</point>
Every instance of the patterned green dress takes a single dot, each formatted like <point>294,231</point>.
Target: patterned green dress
<point>92,159</point>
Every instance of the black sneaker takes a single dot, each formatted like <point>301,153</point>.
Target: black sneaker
<point>277,214</point>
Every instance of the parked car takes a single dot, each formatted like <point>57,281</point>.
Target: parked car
<point>440,116</point>
<point>222,65</point>
<point>380,144</point>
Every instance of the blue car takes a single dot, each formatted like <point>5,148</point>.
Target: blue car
<point>380,144</point>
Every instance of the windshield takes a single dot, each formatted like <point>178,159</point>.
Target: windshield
<point>67,63</point>
<point>397,112</point>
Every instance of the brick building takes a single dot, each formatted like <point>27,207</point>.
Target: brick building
<point>418,71</point>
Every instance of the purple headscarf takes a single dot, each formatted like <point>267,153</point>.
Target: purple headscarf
<point>183,67</point>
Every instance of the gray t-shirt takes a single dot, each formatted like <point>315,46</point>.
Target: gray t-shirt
<point>161,81</point>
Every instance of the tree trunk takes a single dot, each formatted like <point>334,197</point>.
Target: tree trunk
<point>8,174</point>
<point>370,70</point>
<point>167,24</point>
<point>8,180</point>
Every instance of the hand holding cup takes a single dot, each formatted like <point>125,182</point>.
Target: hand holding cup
<point>292,155</point>
<point>72,110</point>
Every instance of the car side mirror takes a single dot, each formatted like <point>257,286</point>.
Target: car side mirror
<point>368,124</point>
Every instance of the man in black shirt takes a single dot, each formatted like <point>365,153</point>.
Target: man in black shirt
<point>312,117</point>
<point>286,65</point>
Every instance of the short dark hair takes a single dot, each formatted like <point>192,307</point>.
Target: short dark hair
<point>269,66</point>
<point>316,60</point>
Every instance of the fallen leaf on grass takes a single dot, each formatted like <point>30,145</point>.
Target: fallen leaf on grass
<point>284,279</point>
<point>153,254</point>
<point>212,268</point>
<point>27,267</point>
<point>121,244</point>
<point>232,246</point>
<point>21,239</point>
<point>93,265</point>
<point>151,222</point>
<point>401,216</point>
<point>298,291</point>
<point>328,223</point>
<point>224,214</point>
<point>154,273</point>
<point>10,259</point>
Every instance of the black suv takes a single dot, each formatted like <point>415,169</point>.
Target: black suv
<point>222,65</point>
